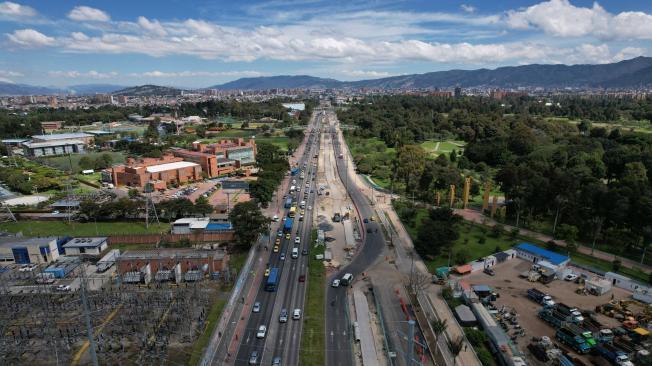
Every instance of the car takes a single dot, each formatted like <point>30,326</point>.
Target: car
<point>368,230</point>
<point>276,248</point>
<point>372,218</point>
<point>267,272</point>
<point>279,233</point>
<point>571,277</point>
<point>489,271</point>
<point>304,251</point>
<point>262,331</point>
<point>296,314</point>
<point>282,256</point>
<point>295,253</point>
<point>284,218</point>
<point>256,308</point>
<point>276,361</point>
<point>366,220</point>
<point>283,317</point>
<point>287,236</point>
<point>275,218</point>
<point>301,218</point>
<point>335,283</point>
<point>302,278</point>
<point>277,241</point>
<point>253,359</point>
<point>297,240</point>
<point>309,208</point>
<point>63,288</point>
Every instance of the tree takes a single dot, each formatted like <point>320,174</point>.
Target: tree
<point>616,264</point>
<point>439,326</point>
<point>85,163</point>
<point>410,163</point>
<point>248,222</point>
<point>437,231</point>
<point>456,346</point>
<point>133,193</point>
<point>151,134</point>
<point>202,206</point>
<point>567,232</point>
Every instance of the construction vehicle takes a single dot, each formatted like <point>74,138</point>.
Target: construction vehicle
<point>630,322</point>
<point>554,318</point>
<point>587,335</point>
<point>605,336</point>
<point>577,343</point>
<point>540,297</point>
<point>614,355</point>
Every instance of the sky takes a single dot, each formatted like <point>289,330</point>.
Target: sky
<point>197,43</point>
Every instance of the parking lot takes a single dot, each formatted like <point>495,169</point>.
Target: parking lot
<point>512,290</point>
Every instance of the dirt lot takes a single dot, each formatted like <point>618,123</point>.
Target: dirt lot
<point>513,295</point>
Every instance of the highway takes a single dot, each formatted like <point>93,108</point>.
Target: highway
<point>338,325</point>
<point>283,339</point>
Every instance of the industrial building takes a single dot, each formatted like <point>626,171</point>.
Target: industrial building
<point>158,172</point>
<point>52,148</point>
<point>85,138</point>
<point>21,250</point>
<point>534,254</point>
<point>192,225</point>
<point>179,265</point>
<point>86,246</point>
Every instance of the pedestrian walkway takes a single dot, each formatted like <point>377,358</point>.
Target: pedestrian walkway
<point>367,344</point>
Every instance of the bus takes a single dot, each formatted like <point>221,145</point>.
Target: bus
<point>293,211</point>
<point>272,280</point>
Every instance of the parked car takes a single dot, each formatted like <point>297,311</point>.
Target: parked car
<point>335,283</point>
<point>571,277</point>
<point>63,288</point>
<point>489,271</point>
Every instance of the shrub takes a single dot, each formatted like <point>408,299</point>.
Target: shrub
<point>482,240</point>
<point>461,256</point>
<point>497,230</point>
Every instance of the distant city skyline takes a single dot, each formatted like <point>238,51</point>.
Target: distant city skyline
<point>200,43</point>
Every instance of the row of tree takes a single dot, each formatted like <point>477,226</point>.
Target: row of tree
<point>133,207</point>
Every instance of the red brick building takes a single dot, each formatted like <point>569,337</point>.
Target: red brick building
<point>168,259</point>
<point>211,164</point>
<point>160,172</point>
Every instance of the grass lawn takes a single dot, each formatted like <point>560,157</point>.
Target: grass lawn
<point>63,162</point>
<point>313,338</point>
<point>234,133</point>
<point>62,228</point>
<point>202,341</point>
<point>281,141</point>
<point>442,147</point>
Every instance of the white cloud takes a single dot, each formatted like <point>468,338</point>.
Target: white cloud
<point>92,74</point>
<point>13,10</point>
<point>189,74</point>
<point>152,26</point>
<point>88,14</point>
<point>468,8</point>
<point>10,74</point>
<point>30,38</point>
<point>563,19</point>
<point>366,73</point>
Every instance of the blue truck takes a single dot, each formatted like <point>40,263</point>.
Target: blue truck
<point>294,171</point>
<point>614,355</point>
<point>568,338</point>
<point>287,227</point>
<point>288,202</point>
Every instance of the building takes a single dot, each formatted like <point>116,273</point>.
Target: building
<point>190,225</point>
<point>50,126</point>
<point>22,250</point>
<point>210,164</point>
<point>88,246</point>
<point>534,254</point>
<point>160,173</point>
<point>182,264</point>
<point>243,152</point>
<point>85,138</point>
<point>36,149</point>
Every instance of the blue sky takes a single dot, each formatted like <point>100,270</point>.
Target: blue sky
<point>201,43</point>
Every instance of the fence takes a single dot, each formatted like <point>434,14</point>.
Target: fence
<point>221,236</point>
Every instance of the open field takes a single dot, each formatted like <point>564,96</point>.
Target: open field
<point>62,228</point>
<point>313,338</point>
<point>63,162</point>
<point>437,148</point>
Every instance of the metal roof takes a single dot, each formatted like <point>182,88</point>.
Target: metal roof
<point>553,257</point>
<point>85,242</point>
<point>62,136</point>
<point>170,166</point>
<point>52,143</point>
<point>12,241</point>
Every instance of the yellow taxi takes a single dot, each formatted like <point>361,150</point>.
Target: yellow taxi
<point>267,272</point>
<point>275,248</point>
<point>303,212</point>
<point>287,236</point>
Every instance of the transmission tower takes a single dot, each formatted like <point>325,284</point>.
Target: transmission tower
<point>8,215</point>
<point>150,209</point>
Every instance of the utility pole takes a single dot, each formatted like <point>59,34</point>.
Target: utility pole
<point>87,316</point>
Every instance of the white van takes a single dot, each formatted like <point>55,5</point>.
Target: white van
<point>295,253</point>
<point>347,279</point>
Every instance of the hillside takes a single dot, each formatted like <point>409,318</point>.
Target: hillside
<point>24,89</point>
<point>281,81</point>
<point>148,90</point>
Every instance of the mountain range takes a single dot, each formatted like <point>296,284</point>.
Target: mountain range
<point>631,73</point>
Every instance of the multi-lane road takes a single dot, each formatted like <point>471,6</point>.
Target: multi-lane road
<point>338,325</point>
<point>283,340</point>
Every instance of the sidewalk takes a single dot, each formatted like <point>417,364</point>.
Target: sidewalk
<point>477,217</point>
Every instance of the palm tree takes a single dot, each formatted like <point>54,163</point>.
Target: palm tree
<point>456,346</point>
<point>439,327</point>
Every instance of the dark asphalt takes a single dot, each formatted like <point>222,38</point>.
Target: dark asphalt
<point>339,331</point>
